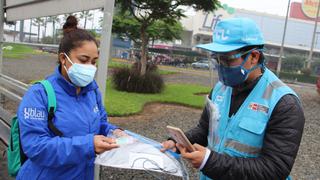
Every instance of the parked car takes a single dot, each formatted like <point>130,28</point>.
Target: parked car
<point>53,50</point>
<point>202,64</point>
<point>318,85</point>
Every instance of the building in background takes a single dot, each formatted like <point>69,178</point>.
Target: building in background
<point>198,29</point>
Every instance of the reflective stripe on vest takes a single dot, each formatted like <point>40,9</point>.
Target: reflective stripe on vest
<point>251,150</point>
<point>274,85</point>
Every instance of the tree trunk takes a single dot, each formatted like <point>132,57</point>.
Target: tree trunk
<point>30,30</point>
<point>21,32</point>
<point>45,28</point>
<point>92,21</point>
<point>54,31</point>
<point>85,21</point>
<point>144,51</point>
<point>15,29</point>
<point>38,39</point>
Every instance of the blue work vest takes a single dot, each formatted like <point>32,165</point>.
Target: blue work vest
<point>242,134</point>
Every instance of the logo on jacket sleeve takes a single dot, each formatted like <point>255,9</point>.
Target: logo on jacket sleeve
<point>258,107</point>
<point>96,109</point>
<point>34,114</point>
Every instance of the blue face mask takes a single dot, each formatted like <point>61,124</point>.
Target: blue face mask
<point>236,75</point>
<point>80,74</point>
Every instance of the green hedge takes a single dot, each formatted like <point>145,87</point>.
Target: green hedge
<point>300,77</point>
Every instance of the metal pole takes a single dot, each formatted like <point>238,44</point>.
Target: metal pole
<point>1,43</point>
<point>283,38</point>
<point>104,58</point>
<point>1,32</point>
<point>105,46</point>
<point>313,38</point>
<point>316,41</point>
<point>210,68</point>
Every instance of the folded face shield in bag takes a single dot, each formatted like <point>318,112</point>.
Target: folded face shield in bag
<point>141,153</point>
<point>213,113</point>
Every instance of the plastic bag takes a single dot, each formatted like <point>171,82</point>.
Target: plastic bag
<point>141,153</point>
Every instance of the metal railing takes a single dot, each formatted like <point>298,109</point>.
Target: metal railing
<point>12,89</point>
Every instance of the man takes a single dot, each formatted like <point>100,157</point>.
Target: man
<point>252,124</point>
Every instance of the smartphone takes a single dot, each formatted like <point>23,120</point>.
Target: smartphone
<point>178,135</point>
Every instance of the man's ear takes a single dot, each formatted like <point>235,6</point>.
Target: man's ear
<point>255,56</point>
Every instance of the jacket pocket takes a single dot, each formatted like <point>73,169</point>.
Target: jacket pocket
<point>251,131</point>
<point>246,138</point>
<point>254,126</point>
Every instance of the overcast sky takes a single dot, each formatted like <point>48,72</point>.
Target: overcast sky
<point>278,7</point>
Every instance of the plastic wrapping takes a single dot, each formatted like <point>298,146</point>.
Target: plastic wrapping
<point>213,112</point>
<point>141,153</point>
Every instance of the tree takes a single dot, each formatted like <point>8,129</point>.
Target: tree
<point>38,22</point>
<point>15,30</point>
<point>30,30</point>
<point>86,15</point>
<point>10,24</point>
<point>21,32</point>
<point>44,24</point>
<point>65,16</point>
<point>126,27</point>
<point>293,63</point>
<point>143,14</point>
<point>54,20</point>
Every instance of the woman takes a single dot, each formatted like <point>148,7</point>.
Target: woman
<point>80,115</point>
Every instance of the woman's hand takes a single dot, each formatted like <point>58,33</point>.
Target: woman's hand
<point>119,133</point>
<point>102,144</point>
<point>168,145</point>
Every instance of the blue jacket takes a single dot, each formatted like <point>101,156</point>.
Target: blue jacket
<point>78,117</point>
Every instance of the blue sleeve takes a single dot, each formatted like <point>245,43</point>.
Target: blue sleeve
<point>105,127</point>
<point>39,143</point>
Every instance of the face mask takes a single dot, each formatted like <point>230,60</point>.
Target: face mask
<point>233,76</point>
<point>80,75</point>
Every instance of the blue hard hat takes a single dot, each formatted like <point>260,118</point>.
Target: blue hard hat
<point>234,33</point>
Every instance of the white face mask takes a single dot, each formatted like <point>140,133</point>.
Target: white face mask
<point>80,74</point>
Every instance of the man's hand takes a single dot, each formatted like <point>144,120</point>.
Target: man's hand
<point>102,144</point>
<point>168,145</point>
<point>196,157</point>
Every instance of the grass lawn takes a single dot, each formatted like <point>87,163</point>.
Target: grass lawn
<point>115,64</point>
<point>17,50</point>
<point>120,103</point>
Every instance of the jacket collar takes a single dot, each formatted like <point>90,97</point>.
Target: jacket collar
<point>69,87</point>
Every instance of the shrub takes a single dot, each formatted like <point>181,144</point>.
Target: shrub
<point>47,40</point>
<point>130,80</point>
<point>306,71</point>
<point>292,63</point>
<point>298,77</point>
